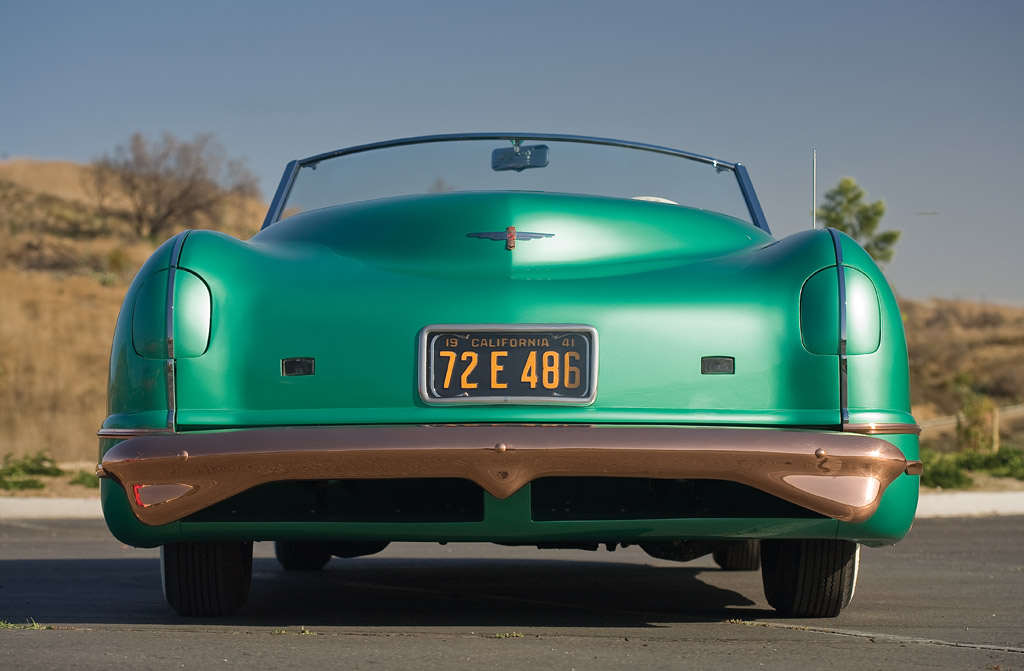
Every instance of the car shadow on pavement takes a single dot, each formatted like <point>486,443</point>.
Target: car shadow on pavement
<point>392,592</point>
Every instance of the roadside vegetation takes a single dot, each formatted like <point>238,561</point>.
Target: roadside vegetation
<point>967,360</point>
<point>19,473</point>
<point>958,470</point>
<point>29,625</point>
<point>36,471</point>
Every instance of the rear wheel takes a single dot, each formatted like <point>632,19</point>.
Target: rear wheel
<point>302,555</point>
<point>809,578</point>
<point>739,556</point>
<point>206,579</point>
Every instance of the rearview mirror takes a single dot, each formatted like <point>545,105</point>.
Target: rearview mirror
<point>520,158</point>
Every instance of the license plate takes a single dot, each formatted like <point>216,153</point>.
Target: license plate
<point>503,363</point>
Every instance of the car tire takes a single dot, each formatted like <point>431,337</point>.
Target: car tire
<point>809,578</point>
<point>302,555</point>
<point>739,556</point>
<point>206,578</point>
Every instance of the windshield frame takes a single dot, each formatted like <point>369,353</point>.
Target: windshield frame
<point>292,169</point>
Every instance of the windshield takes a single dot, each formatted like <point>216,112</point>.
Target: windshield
<point>515,163</point>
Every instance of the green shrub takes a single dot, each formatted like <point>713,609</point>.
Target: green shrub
<point>943,470</point>
<point>16,473</point>
<point>85,479</point>
<point>19,484</point>
<point>117,261</point>
<point>974,426</point>
<point>39,463</point>
<point>951,470</point>
<point>1006,463</point>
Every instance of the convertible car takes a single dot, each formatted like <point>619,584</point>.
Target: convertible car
<point>541,340</point>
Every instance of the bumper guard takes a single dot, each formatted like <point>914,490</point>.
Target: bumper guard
<point>168,477</point>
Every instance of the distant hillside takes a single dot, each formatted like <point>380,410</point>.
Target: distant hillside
<point>61,179</point>
<point>50,221</point>
<point>976,344</point>
<point>64,268</point>
<point>69,182</point>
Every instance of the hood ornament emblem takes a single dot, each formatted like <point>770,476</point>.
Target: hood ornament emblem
<point>509,235</point>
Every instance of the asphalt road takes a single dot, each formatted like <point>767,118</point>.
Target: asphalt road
<point>951,596</point>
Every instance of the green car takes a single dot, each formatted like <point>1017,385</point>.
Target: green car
<point>522,339</point>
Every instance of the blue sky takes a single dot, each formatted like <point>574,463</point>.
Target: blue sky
<point>921,102</point>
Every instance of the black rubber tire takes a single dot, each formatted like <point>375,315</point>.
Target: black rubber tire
<point>809,578</point>
<point>208,578</point>
<point>739,556</point>
<point>302,555</point>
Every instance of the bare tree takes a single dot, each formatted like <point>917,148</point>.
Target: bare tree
<point>169,182</point>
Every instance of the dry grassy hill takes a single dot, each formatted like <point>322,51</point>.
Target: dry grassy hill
<point>49,221</point>
<point>61,179</point>
<point>64,269</point>
<point>976,344</point>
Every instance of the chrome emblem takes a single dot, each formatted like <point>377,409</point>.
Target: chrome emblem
<point>509,235</point>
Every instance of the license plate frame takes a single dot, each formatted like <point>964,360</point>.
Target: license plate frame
<point>510,345</point>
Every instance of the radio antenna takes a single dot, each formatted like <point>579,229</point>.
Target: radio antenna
<point>814,188</point>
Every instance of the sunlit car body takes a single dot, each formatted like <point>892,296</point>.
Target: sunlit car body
<point>523,339</point>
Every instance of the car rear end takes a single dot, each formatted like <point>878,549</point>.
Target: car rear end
<point>552,369</point>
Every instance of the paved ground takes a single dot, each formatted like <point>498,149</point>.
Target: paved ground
<point>951,596</point>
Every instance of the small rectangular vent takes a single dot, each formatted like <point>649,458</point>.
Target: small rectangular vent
<point>717,365</point>
<point>300,365</point>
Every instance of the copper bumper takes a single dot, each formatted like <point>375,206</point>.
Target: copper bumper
<point>168,477</point>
